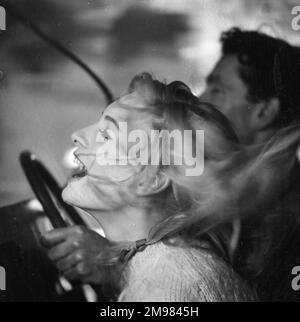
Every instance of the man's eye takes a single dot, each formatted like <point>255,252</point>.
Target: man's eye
<point>216,90</point>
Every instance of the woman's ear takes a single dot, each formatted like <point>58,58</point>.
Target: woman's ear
<point>151,187</point>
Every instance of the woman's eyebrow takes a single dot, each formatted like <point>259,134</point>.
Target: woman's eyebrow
<point>109,118</point>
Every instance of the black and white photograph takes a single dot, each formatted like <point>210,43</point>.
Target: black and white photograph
<point>149,152</point>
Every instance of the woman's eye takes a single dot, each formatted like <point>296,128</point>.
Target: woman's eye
<point>104,134</point>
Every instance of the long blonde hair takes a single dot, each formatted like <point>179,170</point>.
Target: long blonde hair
<point>237,181</point>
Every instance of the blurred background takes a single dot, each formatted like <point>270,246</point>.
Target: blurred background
<point>44,97</point>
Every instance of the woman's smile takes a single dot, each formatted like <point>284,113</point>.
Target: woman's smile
<point>81,170</point>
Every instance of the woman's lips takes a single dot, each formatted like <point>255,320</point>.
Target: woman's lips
<point>81,171</point>
<point>77,175</point>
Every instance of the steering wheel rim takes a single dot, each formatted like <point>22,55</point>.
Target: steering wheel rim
<point>41,181</point>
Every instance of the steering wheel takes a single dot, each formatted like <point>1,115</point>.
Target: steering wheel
<point>42,184</point>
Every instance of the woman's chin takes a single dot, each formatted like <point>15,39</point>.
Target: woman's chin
<point>78,193</point>
<point>72,194</point>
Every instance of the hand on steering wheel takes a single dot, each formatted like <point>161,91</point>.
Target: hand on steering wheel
<point>74,251</point>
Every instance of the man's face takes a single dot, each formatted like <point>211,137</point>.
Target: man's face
<point>226,90</point>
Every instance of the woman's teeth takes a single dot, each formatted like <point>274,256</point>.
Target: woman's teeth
<point>79,163</point>
<point>81,170</point>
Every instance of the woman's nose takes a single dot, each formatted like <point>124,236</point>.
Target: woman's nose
<point>79,138</point>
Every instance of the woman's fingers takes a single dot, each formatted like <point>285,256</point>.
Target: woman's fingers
<point>62,250</point>
<point>57,236</point>
<point>73,251</point>
<point>76,272</point>
<point>69,261</point>
<point>54,237</point>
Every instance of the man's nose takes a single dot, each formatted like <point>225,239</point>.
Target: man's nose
<point>204,96</point>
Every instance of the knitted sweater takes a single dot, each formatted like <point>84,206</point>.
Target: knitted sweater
<point>164,273</point>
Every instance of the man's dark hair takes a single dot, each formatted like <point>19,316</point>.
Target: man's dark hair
<point>270,67</point>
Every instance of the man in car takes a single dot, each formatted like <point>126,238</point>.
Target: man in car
<point>255,84</point>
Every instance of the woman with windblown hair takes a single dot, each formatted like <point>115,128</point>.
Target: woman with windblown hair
<point>171,237</point>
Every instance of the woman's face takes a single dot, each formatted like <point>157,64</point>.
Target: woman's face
<point>93,188</point>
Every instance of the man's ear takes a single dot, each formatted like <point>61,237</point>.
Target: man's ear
<point>148,188</point>
<point>265,113</point>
